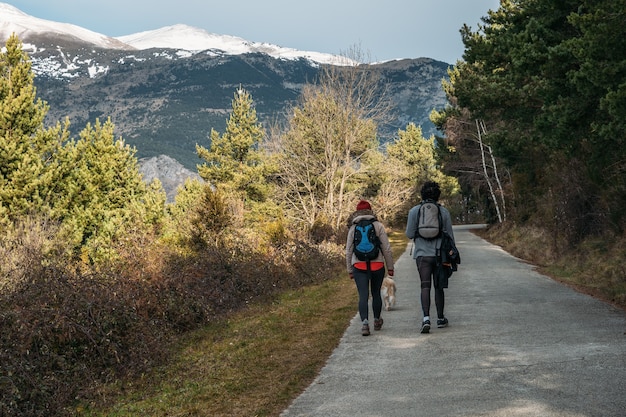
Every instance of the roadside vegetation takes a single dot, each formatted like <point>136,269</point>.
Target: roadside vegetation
<point>594,267</point>
<point>229,300</point>
<point>253,362</point>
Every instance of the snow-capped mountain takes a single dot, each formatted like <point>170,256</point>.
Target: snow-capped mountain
<point>181,37</point>
<point>194,39</point>
<point>13,20</point>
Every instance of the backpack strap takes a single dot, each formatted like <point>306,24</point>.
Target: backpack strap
<point>440,219</point>
<point>417,222</point>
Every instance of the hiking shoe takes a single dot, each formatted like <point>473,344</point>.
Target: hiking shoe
<point>365,330</point>
<point>425,326</point>
<point>442,322</point>
<point>378,323</point>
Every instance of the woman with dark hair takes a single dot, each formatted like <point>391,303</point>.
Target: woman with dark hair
<point>425,251</point>
<point>368,275</point>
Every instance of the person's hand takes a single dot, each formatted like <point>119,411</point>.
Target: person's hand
<point>390,272</point>
<point>351,275</point>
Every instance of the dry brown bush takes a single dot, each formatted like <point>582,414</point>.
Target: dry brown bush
<point>66,331</point>
<point>523,242</point>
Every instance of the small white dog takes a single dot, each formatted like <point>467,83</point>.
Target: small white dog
<point>388,292</point>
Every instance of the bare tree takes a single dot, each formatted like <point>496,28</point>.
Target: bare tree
<point>321,153</point>
<point>501,212</point>
<point>472,158</point>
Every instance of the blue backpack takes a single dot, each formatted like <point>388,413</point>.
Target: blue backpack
<point>366,242</point>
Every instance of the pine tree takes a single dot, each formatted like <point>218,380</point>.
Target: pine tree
<point>27,150</point>
<point>102,194</point>
<point>91,186</point>
<point>233,161</point>
<point>548,79</point>
<point>412,160</point>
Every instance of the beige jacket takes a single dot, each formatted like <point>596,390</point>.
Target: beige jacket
<point>385,255</point>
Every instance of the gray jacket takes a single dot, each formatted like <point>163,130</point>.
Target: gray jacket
<point>423,247</point>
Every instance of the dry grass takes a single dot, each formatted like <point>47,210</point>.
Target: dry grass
<point>252,363</point>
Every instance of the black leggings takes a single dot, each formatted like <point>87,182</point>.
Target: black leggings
<point>426,266</point>
<point>363,283</point>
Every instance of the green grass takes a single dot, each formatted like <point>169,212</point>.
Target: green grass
<point>252,363</point>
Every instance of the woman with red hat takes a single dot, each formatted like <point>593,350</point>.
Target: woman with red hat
<point>367,269</point>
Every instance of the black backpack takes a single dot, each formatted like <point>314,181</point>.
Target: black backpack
<point>366,242</point>
<point>429,222</point>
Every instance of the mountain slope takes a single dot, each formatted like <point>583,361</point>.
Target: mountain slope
<point>165,100</point>
<point>165,105</point>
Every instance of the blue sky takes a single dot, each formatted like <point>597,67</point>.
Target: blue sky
<point>382,30</point>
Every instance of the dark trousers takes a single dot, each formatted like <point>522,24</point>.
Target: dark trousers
<point>365,280</point>
<point>426,267</point>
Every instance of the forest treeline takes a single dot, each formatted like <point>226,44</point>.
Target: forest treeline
<point>540,96</point>
<point>536,129</point>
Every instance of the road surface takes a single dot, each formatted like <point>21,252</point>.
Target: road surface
<point>518,344</point>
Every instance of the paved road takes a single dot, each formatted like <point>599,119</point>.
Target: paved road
<point>518,344</point>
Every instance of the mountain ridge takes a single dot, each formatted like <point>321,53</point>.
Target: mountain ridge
<point>180,36</point>
<point>13,20</point>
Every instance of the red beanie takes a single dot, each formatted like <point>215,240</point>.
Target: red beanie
<point>363,205</point>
